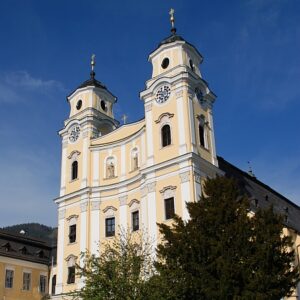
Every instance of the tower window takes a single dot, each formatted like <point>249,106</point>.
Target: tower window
<point>74,174</point>
<point>201,135</point>
<point>192,65</point>
<point>135,220</point>
<point>71,275</point>
<point>109,227</point>
<point>165,63</point>
<point>166,135</point>
<point>169,208</point>
<point>103,105</point>
<point>72,233</point>
<point>79,104</point>
<point>9,278</point>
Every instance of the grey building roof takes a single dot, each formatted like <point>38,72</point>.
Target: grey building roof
<point>262,195</point>
<point>23,247</point>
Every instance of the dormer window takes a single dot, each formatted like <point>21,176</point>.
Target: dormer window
<point>79,104</point>
<point>7,247</point>
<point>23,250</point>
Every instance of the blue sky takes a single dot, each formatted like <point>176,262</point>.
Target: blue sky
<point>251,61</point>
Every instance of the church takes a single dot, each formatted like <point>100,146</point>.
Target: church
<point>139,174</point>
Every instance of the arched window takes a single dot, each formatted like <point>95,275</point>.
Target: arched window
<point>203,132</point>
<point>74,170</point>
<point>165,135</point>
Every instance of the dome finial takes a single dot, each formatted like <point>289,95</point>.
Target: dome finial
<point>172,20</point>
<point>93,63</point>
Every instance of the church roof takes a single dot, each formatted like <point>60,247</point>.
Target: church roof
<point>92,81</point>
<point>261,195</point>
<point>175,38</point>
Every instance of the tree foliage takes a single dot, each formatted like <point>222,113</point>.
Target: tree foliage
<point>120,271</point>
<point>224,252</point>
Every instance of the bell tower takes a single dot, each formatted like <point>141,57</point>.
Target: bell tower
<point>178,96</point>
<point>91,115</point>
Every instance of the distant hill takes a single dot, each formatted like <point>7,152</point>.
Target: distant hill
<point>35,230</point>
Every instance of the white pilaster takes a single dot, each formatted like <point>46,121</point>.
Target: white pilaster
<point>95,225</point>
<point>123,161</point>
<point>149,132</point>
<point>144,209</point>
<point>60,250</point>
<point>192,123</point>
<point>96,167</point>
<point>212,138</point>
<point>151,202</point>
<point>181,128</point>
<point>185,194</point>
<point>143,154</point>
<point>63,167</point>
<point>84,160</point>
<point>123,213</point>
<point>197,180</point>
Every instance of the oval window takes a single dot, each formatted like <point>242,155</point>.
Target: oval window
<point>165,63</point>
<point>79,104</point>
<point>192,65</point>
<point>103,105</point>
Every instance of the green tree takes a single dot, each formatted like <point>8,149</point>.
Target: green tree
<point>120,271</point>
<point>223,252</point>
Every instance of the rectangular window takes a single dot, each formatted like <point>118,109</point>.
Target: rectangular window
<point>169,208</point>
<point>26,281</point>
<point>135,221</point>
<point>9,278</point>
<point>72,234</point>
<point>53,285</point>
<point>43,283</point>
<point>71,275</point>
<point>110,227</point>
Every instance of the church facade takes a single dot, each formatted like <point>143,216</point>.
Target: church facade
<point>135,175</point>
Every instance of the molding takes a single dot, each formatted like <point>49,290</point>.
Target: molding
<point>185,176</point>
<point>148,107</point>
<point>179,94</point>
<point>61,214</point>
<point>84,206</point>
<point>75,152</point>
<point>123,200</point>
<point>168,192</point>
<point>197,177</point>
<point>133,201</point>
<point>95,205</point>
<point>106,209</point>
<point>151,187</point>
<point>166,114</point>
<point>71,217</point>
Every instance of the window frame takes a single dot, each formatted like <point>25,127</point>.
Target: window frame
<point>9,281</point>
<point>135,227</point>
<point>43,284</point>
<point>166,140</point>
<point>111,232</point>
<point>74,170</point>
<point>71,275</point>
<point>169,214</point>
<point>72,235</point>
<point>26,281</point>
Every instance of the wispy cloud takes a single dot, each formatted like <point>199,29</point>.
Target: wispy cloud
<point>13,85</point>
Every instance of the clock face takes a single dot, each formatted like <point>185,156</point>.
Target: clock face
<point>74,133</point>
<point>163,94</point>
